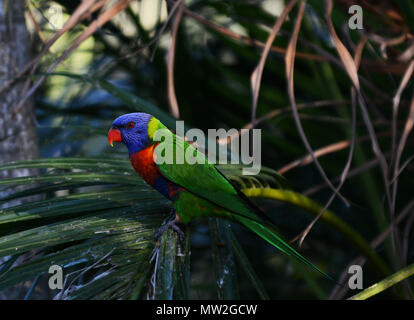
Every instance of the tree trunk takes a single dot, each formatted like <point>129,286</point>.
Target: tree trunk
<point>18,132</point>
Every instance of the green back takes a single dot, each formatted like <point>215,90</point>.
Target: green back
<point>203,179</point>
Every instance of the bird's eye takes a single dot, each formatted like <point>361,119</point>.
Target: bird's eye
<point>130,125</point>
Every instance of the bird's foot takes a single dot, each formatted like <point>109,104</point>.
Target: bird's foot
<point>173,224</point>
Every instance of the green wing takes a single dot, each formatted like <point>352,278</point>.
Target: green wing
<point>203,179</point>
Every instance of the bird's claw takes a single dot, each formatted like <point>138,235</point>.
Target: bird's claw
<point>170,225</point>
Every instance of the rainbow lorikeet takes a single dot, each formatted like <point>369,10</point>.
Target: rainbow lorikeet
<point>197,189</point>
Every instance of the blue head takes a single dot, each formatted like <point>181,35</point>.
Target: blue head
<point>132,130</point>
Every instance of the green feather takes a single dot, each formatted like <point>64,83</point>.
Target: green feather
<point>268,234</point>
<point>210,193</point>
<point>202,179</point>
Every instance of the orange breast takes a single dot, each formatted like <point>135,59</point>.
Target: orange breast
<point>143,163</point>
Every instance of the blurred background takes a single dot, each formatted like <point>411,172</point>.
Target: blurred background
<point>338,129</point>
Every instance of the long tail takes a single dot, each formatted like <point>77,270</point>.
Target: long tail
<point>265,231</point>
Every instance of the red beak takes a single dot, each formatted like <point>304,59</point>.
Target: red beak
<point>114,135</point>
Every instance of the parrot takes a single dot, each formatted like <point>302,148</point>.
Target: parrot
<point>197,189</point>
